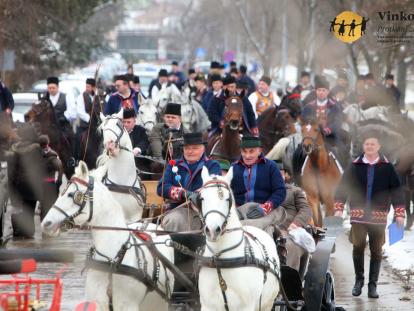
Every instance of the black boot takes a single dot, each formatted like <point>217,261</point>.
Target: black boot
<point>374,269</point>
<point>359,274</point>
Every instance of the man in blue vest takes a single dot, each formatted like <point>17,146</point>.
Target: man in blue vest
<point>181,189</point>
<point>257,185</point>
<point>125,97</point>
<point>217,105</point>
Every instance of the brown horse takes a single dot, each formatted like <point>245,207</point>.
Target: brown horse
<point>274,124</point>
<point>320,172</point>
<point>42,117</point>
<point>227,144</point>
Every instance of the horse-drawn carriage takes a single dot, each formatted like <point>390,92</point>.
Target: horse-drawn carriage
<point>312,288</point>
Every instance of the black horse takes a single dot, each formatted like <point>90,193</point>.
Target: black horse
<point>42,117</point>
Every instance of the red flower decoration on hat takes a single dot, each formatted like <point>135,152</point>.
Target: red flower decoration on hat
<point>172,162</point>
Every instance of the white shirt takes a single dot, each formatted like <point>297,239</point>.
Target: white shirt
<point>80,108</point>
<point>321,103</point>
<point>365,160</point>
<point>54,98</point>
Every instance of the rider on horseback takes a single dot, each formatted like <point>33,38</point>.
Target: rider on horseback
<point>217,105</point>
<point>125,98</point>
<point>329,115</point>
<point>181,179</point>
<point>171,131</point>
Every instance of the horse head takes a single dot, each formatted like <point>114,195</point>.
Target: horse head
<point>115,137</point>
<point>293,104</point>
<point>312,136</point>
<point>74,206</point>
<point>233,112</point>
<point>216,204</point>
<point>39,112</point>
<point>147,115</point>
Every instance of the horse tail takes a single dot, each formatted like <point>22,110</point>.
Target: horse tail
<point>298,159</point>
<point>278,150</point>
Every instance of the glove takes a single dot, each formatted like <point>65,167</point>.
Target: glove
<point>327,131</point>
<point>255,212</point>
<point>136,151</point>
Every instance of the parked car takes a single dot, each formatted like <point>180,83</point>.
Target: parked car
<point>22,104</point>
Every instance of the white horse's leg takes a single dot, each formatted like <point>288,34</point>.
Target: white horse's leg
<point>270,291</point>
<point>128,293</point>
<point>153,301</point>
<point>95,289</point>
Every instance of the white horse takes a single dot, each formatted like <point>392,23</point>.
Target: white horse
<point>121,178</point>
<point>86,201</point>
<point>147,115</point>
<point>168,93</point>
<point>193,116</point>
<point>354,113</point>
<point>246,288</point>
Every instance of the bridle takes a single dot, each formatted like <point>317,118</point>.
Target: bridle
<point>119,135</point>
<point>219,184</point>
<point>314,146</point>
<point>79,198</point>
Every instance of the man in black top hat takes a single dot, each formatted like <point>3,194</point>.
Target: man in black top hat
<point>217,105</point>
<point>57,99</point>
<point>243,77</point>
<point>182,189</point>
<point>216,83</point>
<point>88,110</point>
<point>157,84</point>
<point>167,137</point>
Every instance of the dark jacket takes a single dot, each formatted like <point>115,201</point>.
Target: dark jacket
<point>159,137</point>
<point>169,188</point>
<point>386,189</point>
<point>207,99</point>
<point>26,170</point>
<point>260,183</point>
<point>297,207</point>
<point>250,83</point>
<point>216,112</point>
<point>6,98</point>
<point>139,139</point>
<point>333,114</point>
<point>116,102</point>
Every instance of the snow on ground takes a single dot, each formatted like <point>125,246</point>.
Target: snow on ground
<point>401,254</point>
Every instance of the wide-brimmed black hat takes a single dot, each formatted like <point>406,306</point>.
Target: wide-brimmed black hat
<point>91,81</point>
<point>173,108</point>
<point>52,80</point>
<point>129,113</point>
<point>193,139</point>
<point>250,142</point>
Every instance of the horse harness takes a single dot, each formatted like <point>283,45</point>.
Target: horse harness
<point>218,263</point>
<point>117,135</point>
<point>136,192</point>
<point>114,265</point>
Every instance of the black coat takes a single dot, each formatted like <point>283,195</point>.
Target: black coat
<point>26,170</point>
<point>139,139</point>
<point>386,189</point>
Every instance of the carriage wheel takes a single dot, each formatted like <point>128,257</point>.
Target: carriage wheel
<point>328,299</point>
